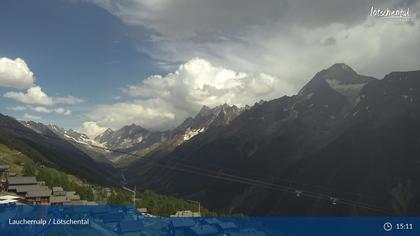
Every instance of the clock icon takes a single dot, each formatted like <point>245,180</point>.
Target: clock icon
<point>387,226</point>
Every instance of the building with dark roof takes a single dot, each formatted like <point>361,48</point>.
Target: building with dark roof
<point>4,168</point>
<point>180,225</point>
<point>58,200</point>
<point>58,191</point>
<point>38,197</point>
<point>130,228</point>
<point>11,174</point>
<point>212,221</point>
<point>182,222</point>
<point>113,217</point>
<point>23,189</point>
<point>201,230</point>
<point>21,180</point>
<point>72,196</point>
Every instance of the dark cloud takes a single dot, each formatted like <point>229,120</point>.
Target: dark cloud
<point>286,38</point>
<point>330,41</point>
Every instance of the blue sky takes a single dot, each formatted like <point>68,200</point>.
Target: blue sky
<point>73,48</point>
<point>101,64</point>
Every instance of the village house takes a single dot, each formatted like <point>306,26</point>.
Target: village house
<point>38,197</point>
<point>202,230</point>
<point>130,228</point>
<point>58,191</point>
<point>13,182</point>
<point>4,169</point>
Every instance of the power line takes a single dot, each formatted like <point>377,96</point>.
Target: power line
<point>332,198</point>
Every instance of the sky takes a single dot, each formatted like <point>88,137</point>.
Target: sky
<point>96,64</point>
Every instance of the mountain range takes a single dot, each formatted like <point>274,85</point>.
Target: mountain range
<point>44,146</point>
<point>345,144</point>
<point>344,137</point>
<point>139,141</point>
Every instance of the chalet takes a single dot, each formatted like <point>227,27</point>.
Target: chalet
<point>80,203</point>
<point>11,174</point>
<point>58,200</point>
<point>130,228</point>
<point>186,214</point>
<point>39,197</point>
<point>212,221</point>
<point>100,211</point>
<point>58,191</point>
<point>227,227</point>
<point>72,196</point>
<point>202,230</point>
<point>4,169</point>
<point>11,182</point>
<point>179,225</point>
<point>113,219</point>
<point>23,189</point>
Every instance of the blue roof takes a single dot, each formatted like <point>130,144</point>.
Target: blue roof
<point>212,221</point>
<point>180,222</point>
<point>228,225</point>
<point>204,229</point>
<point>113,217</point>
<point>248,232</point>
<point>130,226</point>
<point>99,209</point>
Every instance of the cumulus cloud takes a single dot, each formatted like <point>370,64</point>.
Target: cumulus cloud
<point>151,113</point>
<point>15,74</point>
<point>63,111</point>
<point>40,109</point>
<point>68,100</point>
<point>284,38</point>
<point>165,101</point>
<point>91,129</point>
<point>31,117</point>
<point>17,108</point>
<point>198,82</point>
<point>270,47</point>
<point>35,95</point>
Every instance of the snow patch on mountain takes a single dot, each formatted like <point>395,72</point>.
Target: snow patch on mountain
<point>349,90</point>
<point>189,133</point>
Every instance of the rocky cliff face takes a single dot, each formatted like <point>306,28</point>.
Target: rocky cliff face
<point>342,136</point>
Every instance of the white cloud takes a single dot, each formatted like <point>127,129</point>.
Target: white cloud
<point>198,82</point>
<point>278,45</point>
<point>151,113</point>
<point>91,129</point>
<point>15,74</point>
<point>68,100</point>
<point>63,111</point>
<point>283,38</point>
<point>40,109</point>
<point>35,95</point>
<point>167,100</point>
<point>31,117</point>
<point>17,108</point>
